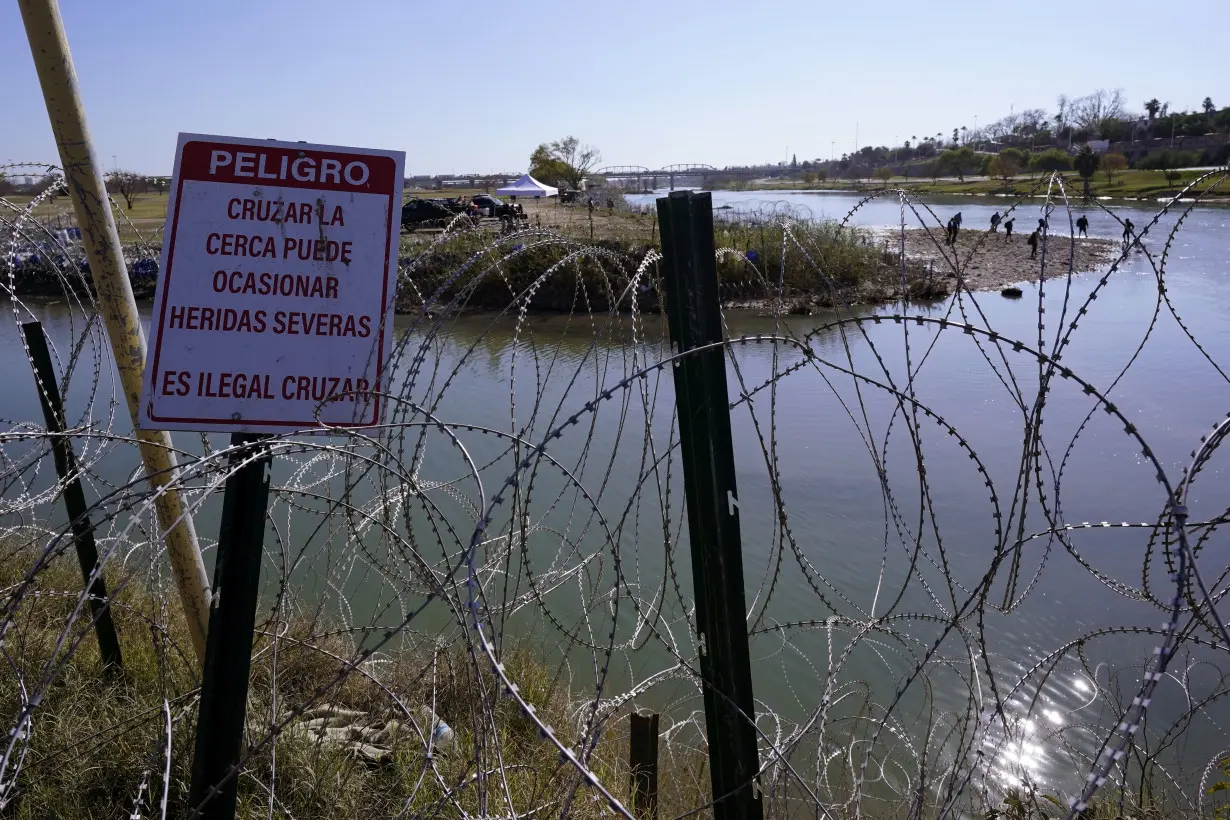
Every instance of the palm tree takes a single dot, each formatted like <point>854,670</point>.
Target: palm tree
<point>1153,106</point>
<point>1086,163</point>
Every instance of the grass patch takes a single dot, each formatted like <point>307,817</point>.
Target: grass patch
<point>98,744</point>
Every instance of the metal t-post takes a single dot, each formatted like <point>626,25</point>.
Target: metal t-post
<point>232,623</point>
<point>707,452</point>
<point>74,495</point>
<point>118,307</point>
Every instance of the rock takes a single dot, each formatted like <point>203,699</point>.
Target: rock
<point>1011,293</point>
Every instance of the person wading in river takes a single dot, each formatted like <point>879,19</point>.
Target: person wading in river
<point>1127,230</point>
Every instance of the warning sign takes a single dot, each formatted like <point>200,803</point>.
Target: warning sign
<point>274,310</point>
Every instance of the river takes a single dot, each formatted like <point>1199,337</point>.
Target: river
<point>837,526</point>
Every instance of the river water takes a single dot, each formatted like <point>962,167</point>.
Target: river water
<point>851,510</point>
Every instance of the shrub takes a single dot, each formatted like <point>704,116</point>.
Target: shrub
<point>1161,160</point>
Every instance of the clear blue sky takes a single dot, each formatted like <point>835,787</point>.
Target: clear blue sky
<point>475,86</point>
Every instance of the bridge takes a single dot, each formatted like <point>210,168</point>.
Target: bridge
<point>640,173</point>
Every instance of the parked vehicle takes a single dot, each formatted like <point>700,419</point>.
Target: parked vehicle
<point>493,207</point>
<point>425,213</point>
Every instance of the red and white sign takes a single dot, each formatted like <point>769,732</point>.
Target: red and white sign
<point>274,308</point>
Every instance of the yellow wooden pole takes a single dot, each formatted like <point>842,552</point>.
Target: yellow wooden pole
<point>49,46</point>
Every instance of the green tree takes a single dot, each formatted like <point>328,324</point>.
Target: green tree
<point>960,161</point>
<point>1005,167</point>
<point>567,159</point>
<point>1086,163</point>
<point>1161,160</point>
<point>1208,106</point>
<point>821,175</point>
<point>545,168</point>
<point>1052,159</point>
<point>809,178</point>
<point>1021,158</point>
<point>884,174</point>
<point>1113,164</point>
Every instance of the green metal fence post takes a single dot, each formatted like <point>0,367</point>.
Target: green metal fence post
<point>643,764</point>
<point>707,453</point>
<point>74,496</point>
<point>232,623</point>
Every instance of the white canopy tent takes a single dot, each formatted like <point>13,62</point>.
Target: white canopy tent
<point>527,186</point>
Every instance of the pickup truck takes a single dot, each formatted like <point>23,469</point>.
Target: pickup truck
<point>494,207</point>
<point>425,213</point>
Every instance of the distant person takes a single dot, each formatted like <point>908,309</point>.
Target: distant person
<point>1008,229</point>
<point>1127,230</point>
<point>610,204</point>
<point>1042,225</point>
<point>957,221</point>
<point>1082,226</point>
<point>950,231</point>
<point>995,222</point>
<point>1032,241</point>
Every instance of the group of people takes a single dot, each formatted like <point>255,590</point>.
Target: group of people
<point>1082,229</point>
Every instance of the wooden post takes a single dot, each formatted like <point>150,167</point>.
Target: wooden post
<point>74,496</point>
<point>118,307</point>
<point>643,762</point>
<point>707,455</point>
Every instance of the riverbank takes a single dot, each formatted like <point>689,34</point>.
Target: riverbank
<point>803,264</point>
<point>1131,185</point>
<point>983,261</point>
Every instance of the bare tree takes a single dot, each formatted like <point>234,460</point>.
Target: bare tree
<point>127,184</point>
<point>1091,112</point>
<point>1003,126</point>
<point>1033,120</point>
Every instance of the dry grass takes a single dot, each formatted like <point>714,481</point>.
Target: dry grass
<point>99,742</point>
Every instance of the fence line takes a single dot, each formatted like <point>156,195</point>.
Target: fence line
<point>944,500</point>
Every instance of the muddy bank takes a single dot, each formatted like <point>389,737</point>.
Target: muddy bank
<point>991,261</point>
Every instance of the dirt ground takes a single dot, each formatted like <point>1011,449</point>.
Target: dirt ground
<point>990,261</point>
